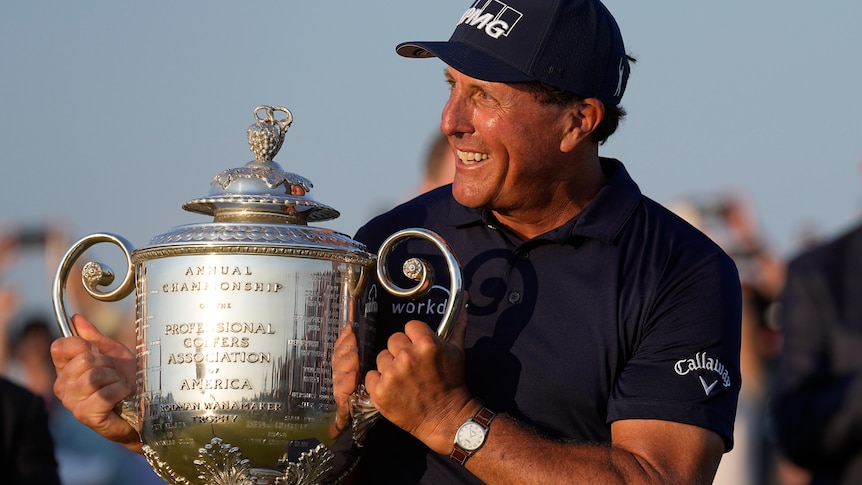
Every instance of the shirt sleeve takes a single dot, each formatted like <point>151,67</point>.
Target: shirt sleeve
<point>685,360</point>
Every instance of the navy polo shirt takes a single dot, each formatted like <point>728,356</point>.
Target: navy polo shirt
<point>624,312</point>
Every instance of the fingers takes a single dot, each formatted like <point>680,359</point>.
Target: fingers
<point>82,371</point>
<point>345,365</point>
<point>398,344</point>
<point>89,385</point>
<point>89,332</point>
<point>123,358</point>
<point>416,351</point>
<point>65,349</point>
<point>372,380</point>
<point>405,352</point>
<point>345,377</point>
<point>345,353</point>
<point>94,373</point>
<point>414,332</point>
<point>93,382</point>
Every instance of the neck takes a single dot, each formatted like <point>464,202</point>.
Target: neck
<point>565,199</point>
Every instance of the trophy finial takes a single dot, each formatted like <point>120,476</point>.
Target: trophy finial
<point>267,134</point>
<point>260,190</point>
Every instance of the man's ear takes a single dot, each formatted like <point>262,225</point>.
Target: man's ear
<point>584,118</point>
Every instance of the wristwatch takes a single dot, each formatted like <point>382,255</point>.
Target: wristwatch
<point>471,435</point>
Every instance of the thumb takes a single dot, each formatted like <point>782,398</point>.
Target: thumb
<point>86,330</point>
<point>122,359</point>
<point>90,333</point>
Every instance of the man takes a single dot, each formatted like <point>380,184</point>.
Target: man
<point>600,342</point>
<point>594,316</point>
<point>819,400</point>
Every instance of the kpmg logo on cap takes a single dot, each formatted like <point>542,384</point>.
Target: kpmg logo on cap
<point>494,17</point>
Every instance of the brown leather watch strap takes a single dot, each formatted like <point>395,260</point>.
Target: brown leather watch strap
<point>460,455</point>
<point>483,418</point>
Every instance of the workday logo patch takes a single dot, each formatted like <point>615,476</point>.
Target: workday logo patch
<point>433,304</point>
<point>494,17</point>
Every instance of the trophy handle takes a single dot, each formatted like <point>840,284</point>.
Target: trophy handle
<point>93,275</point>
<point>421,272</point>
<point>362,409</point>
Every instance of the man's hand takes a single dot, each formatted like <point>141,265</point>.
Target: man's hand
<point>345,377</point>
<point>420,384</point>
<point>94,373</point>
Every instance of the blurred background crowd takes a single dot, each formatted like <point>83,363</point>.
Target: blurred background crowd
<point>31,250</point>
<point>29,254</point>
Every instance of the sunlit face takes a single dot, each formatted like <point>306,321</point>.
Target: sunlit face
<point>508,144</point>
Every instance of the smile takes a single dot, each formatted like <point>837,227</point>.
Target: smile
<point>472,157</point>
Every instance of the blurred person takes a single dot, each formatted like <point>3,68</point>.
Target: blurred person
<point>601,339</point>
<point>29,357</point>
<point>26,445</point>
<point>808,235</point>
<point>10,298</point>
<point>80,456</point>
<point>439,166</point>
<point>84,457</point>
<point>8,307</point>
<point>818,402</point>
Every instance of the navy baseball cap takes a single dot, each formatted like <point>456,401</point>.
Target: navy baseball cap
<point>573,45</point>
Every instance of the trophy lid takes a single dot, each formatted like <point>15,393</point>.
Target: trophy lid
<point>261,191</point>
<point>258,208</point>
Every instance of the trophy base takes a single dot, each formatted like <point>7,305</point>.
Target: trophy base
<point>219,462</point>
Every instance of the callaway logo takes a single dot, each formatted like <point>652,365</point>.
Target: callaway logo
<point>707,388</point>
<point>702,361</point>
<point>494,17</point>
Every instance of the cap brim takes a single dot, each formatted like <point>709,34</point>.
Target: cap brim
<point>465,59</point>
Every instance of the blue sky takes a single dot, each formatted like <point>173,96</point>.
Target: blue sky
<point>113,114</point>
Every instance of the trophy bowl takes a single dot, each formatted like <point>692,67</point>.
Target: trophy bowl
<point>253,331</point>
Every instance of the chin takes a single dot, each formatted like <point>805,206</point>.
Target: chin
<point>467,198</point>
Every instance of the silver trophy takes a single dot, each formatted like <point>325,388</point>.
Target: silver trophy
<point>249,342</point>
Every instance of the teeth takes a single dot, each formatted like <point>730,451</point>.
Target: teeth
<point>468,157</point>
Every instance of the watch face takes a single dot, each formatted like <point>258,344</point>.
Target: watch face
<point>470,436</point>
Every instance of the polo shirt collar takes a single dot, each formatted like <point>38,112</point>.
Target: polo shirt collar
<point>603,219</point>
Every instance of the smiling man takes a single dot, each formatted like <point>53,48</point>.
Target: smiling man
<point>600,343</point>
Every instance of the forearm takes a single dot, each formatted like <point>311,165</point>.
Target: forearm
<point>419,387</point>
<point>643,452</point>
<point>515,455</point>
